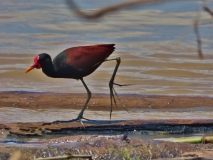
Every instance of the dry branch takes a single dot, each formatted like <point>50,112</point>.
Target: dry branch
<point>207,9</point>
<point>199,42</point>
<point>105,10</point>
<point>196,29</point>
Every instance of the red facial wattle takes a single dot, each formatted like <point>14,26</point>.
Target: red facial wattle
<point>36,64</point>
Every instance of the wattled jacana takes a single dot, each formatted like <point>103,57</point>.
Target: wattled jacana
<point>76,63</point>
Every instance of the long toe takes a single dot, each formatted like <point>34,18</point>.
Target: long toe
<point>120,99</point>
<point>73,120</point>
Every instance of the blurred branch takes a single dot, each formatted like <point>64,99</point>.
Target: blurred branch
<point>207,9</point>
<point>199,42</point>
<point>105,10</point>
<point>196,29</point>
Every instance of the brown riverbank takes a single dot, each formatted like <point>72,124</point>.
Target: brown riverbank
<point>99,101</point>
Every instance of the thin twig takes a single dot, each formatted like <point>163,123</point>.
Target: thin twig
<point>207,9</point>
<point>199,42</point>
<point>105,10</point>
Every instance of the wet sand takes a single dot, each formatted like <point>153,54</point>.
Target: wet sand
<point>99,101</point>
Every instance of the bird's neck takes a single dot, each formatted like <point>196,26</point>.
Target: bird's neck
<point>49,69</point>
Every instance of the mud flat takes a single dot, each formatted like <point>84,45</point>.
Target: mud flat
<point>99,101</point>
<point>107,147</point>
<point>103,139</point>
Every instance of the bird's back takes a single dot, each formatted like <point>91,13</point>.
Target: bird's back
<point>78,62</point>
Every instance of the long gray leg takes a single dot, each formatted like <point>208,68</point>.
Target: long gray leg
<point>111,82</point>
<point>80,116</point>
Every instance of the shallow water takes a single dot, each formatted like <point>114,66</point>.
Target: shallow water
<point>156,42</point>
<point>11,114</point>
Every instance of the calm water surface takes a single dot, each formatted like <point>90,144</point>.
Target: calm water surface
<point>11,114</point>
<point>156,42</point>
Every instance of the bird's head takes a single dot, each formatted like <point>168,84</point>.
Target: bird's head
<point>39,61</point>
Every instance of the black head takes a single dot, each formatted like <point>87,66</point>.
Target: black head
<point>40,61</point>
<point>43,59</point>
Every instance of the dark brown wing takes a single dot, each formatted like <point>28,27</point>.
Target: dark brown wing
<point>88,58</point>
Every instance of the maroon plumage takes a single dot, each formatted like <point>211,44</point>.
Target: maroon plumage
<point>88,58</point>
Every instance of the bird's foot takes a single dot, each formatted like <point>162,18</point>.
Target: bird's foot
<point>113,93</point>
<point>61,121</point>
<point>78,119</point>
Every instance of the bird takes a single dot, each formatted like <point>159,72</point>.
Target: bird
<point>77,63</point>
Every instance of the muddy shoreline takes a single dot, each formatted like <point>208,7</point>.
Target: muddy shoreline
<point>101,102</point>
<point>33,100</point>
<point>90,139</point>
